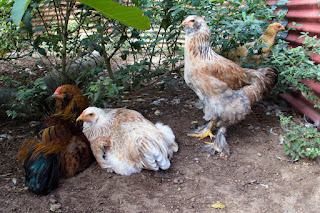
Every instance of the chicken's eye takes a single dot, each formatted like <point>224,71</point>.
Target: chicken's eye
<point>91,114</point>
<point>192,20</point>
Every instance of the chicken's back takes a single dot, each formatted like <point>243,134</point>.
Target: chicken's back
<point>145,145</point>
<point>130,142</point>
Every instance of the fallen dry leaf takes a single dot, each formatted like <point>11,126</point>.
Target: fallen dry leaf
<point>218,205</point>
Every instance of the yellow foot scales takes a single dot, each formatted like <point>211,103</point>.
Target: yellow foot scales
<point>203,132</point>
<point>202,136</point>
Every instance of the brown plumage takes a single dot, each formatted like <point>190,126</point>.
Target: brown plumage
<point>59,148</point>
<point>226,90</point>
<point>123,141</point>
<point>240,54</point>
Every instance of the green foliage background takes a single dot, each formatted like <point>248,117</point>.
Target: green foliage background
<point>136,52</point>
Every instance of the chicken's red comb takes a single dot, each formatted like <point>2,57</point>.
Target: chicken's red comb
<point>57,90</point>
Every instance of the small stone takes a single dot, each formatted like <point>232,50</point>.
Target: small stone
<point>158,102</point>
<point>33,123</point>
<point>157,112</point>
<point>175,101</point>
<point>140,100</point>
<point>178,180</point>
<point>259,154</point>
<point>14,181</point>
<point>53,199</point>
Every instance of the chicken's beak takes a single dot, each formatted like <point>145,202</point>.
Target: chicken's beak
<point>183,24</point>
<point>56,95</point>
<point>80,118</point>
<point>282,28</point>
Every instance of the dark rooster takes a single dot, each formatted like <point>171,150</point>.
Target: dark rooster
<point>59,149</point>
<point>226,90</point>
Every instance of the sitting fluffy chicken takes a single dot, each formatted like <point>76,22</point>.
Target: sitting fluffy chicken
<point>240,54</point>
<point>123,141</point>
<point>226,90</point>
<point>59,149</point>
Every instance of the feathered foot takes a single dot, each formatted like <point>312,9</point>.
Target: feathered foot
<point>202,132</point>
<point>219,145</point>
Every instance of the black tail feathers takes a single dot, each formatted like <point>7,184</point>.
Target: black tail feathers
<point>42,173</point>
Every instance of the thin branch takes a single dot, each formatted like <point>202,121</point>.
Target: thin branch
<point>80,23</point>
<point>177,69</point>
<point>47,30</point>
<point>16,57</point>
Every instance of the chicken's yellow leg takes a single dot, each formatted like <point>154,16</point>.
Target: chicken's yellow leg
<point>203,133</point>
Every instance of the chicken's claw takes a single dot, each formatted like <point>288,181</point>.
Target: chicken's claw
<point>202,136</point>
<point>203,132</point>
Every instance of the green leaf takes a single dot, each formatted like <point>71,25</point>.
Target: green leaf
<point>27,22</point>
<point>244,15</point>
<point>42,51</point>
<point>130,16</point>
<point>18,10</point>
<point>37,29</point>
<point>2,2</point>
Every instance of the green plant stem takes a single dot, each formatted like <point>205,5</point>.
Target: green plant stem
<point>107,61</point>
<point>46,27</point>
<point>153,49</point>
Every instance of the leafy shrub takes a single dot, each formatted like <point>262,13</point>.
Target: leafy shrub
<point>234,23</point>
<point>103,91</point>
<point>135,76</point>
<point>296,64</point>
<point>31,101</point>
<point>300,140</point>
<point>12,41</point>
<point>146,55</point>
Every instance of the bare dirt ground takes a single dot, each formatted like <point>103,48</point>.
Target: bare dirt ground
<point>257,177</point>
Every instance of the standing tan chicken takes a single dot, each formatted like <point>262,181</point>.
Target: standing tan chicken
<point>226,90</point>
<point>267,39</point>
<point>123,141</point>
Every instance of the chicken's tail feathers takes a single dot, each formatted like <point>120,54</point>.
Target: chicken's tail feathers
<point>42,164</point>
<point>168,137</point>
<point>263,81</point>
<point>42,173</point>
<point>272,74</point>
<point>159,149</point>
